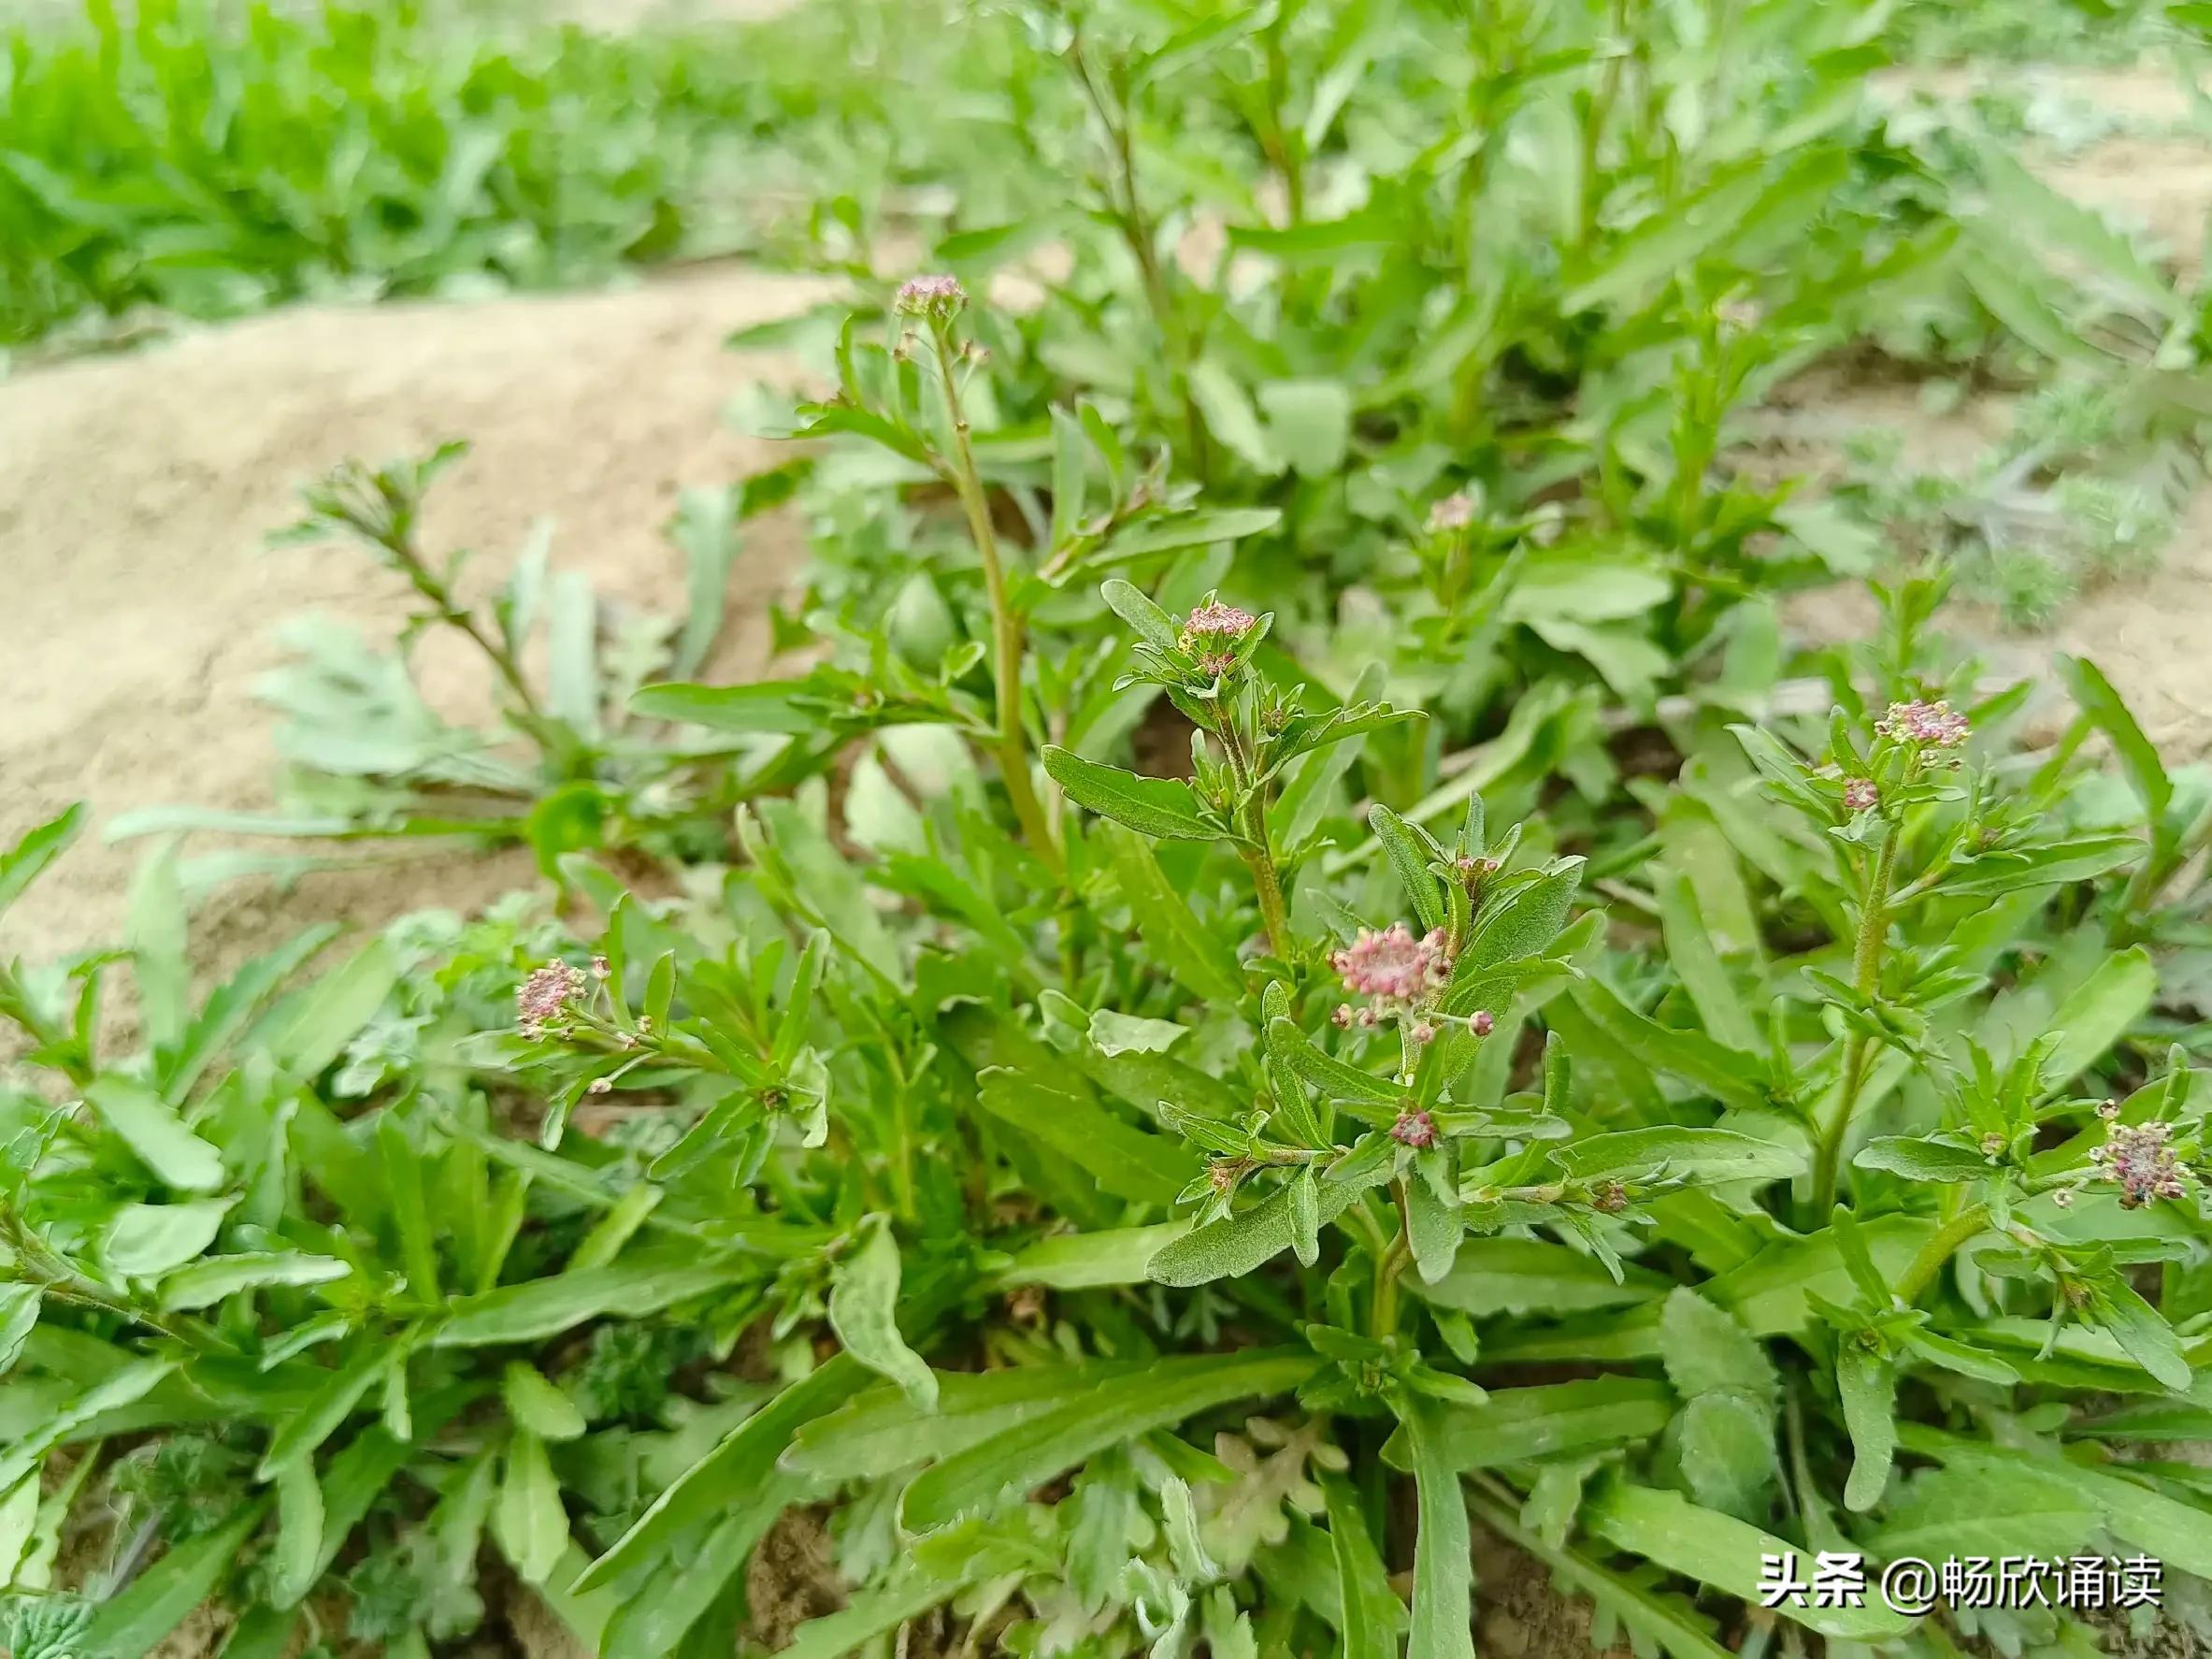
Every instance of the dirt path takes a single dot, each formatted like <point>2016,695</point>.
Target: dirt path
<point>134,492</point>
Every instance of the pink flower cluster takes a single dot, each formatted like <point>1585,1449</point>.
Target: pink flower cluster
<point>1394,966</point>
<point>1936,724</point>
<point>546,995</point>
<point>1861,796</point>
<point>1416,1129</point>
<point>2136,1158</point>
<point>1452,513</point>
<point>939,297</point>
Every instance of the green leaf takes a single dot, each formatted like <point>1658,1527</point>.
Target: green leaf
<point>37,848</point>
<point>1038,1450</point>
<point>1670,1531</point>
<point>147,1240</point>
<point>136,1622</point>
<point>1731,1078</point>
<point>2178,1534</point>
<point>1551,1419</point>
<point>19,1317</point>
<point>1163,808</point>
<point>1990,1511</point>
<point>152,1130</point>
<point>1237,1244</point>
<point>743,1462</point>
<point>1309,423</point>
<point>1409,857</point>
<point>527,1518</point>
<point>1112,1033</point>
<point>1336,1080</point>
<point>1726,1441</point>
<point>1690,949</point>
<point>535,1309</point>
<point>2104,707</point>
<point>1868,1389</point>
<point>1124,1161</point>
<point>1443,1623</point>
<point>1493,1275</point>
<point>538,1406</point>
<point>2140,1329</point>
<point>333,1401</point>
<point>1130,604</point>
<point>1230,417</point>
<point>215,1277</point>
<point>769,706</point>
<point>1370,1613</point>
<point>2098,1013</point>
<point>1707,1348</point>
<point>1917,1159</point>
<point>1176,531</point>
<point>1700,1154</point>
<point>1090,1261</point>
<point>863,1313</point>
<point>885,1430</point>
<point>295,1562</point>
<point>1205,964</point>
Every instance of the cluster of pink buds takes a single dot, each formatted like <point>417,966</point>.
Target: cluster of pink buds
<point>1861,795</point>
<point>1398,972</point>
<point>2136,1158</point>
<point>1936,725</point>
<point>938,298</point>
<point>1211,633</point>
<point>1452,513</point>
<point>548,994</point>
<point>1473,872</point>
<point>1416,1129</point>
<point>1609,1198</point>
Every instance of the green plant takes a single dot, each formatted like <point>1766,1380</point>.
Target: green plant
<point>566,766</point>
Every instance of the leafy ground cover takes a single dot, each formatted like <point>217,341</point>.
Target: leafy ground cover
<point>1305,965</point>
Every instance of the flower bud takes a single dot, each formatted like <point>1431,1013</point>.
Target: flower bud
<point>938,298</point>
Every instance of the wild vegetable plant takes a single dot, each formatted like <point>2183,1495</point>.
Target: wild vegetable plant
<point>566,764</point>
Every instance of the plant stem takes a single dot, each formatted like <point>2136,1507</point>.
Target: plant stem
<point>1260,858</point>
<point>426,583</point>
<point>1941,1246</point>
<point>1006,628</point>
<point>1383,1317</point>
<point>1873,928</point>
<point>1136,230</point>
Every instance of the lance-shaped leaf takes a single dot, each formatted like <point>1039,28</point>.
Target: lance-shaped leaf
<point>1868,1388</point>
<point>1032,1453</point>
<point>863,1313</point>
<point>1702,1155</point>
<point>1165,808</point>
<point>1410,853</point>
<point>1124,1160</point>
<point>1442,1625</point>
<point>1720,1550</point>
<point>1553,1420</point>
<point>1238,1244</point>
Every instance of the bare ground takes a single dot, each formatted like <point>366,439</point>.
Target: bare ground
<point>136,491</point>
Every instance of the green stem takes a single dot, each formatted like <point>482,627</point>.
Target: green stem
<point>1383,1317</point>
<point>450,610</point>
<point>1941,1246</point>
<point>1873,928</point>
<point>1136,230</point>
<point>1260,859</point>
<point>1006,627</point>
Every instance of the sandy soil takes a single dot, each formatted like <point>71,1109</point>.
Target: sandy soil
<point>136,490</point>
